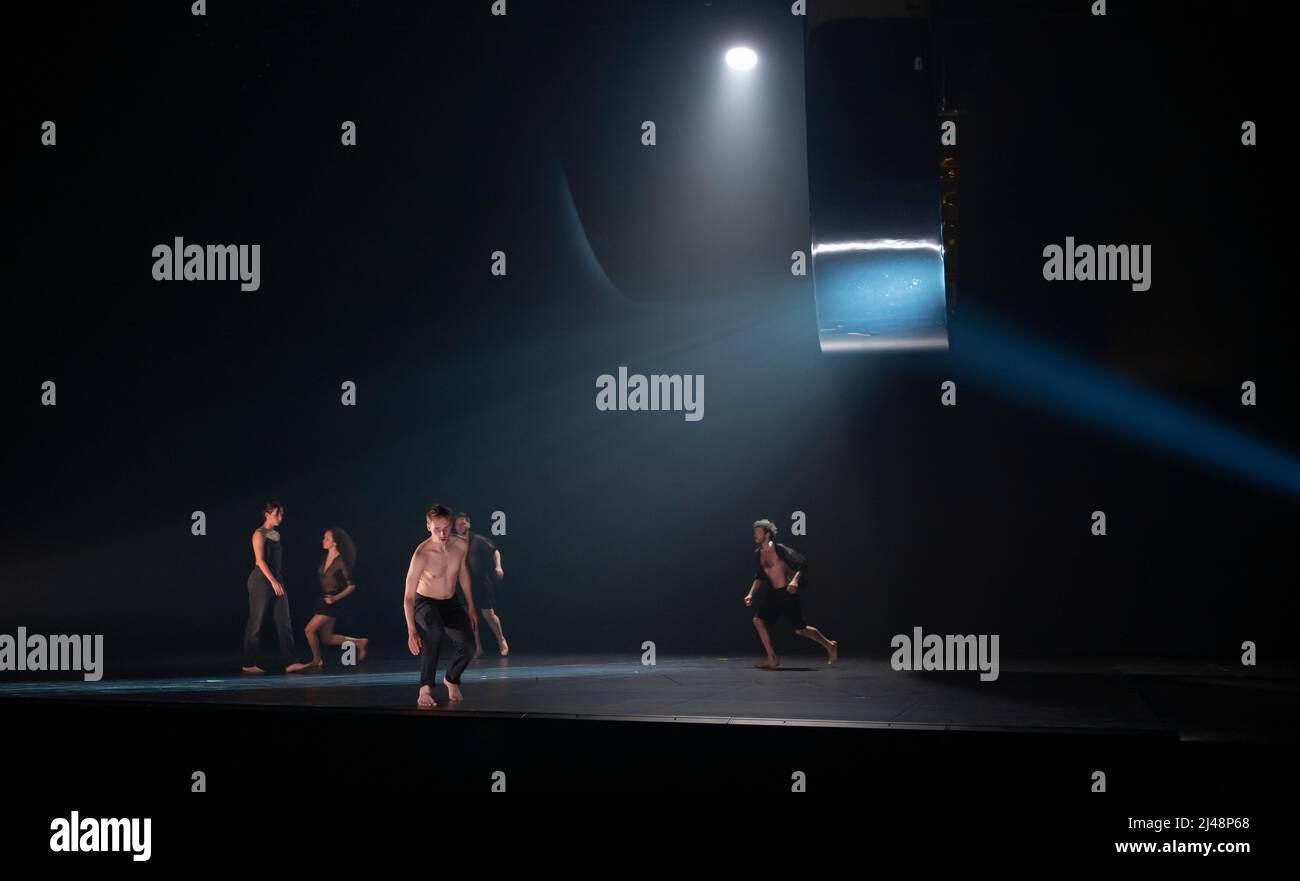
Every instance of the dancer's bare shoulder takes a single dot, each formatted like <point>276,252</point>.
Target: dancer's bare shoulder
<point>421,552</point>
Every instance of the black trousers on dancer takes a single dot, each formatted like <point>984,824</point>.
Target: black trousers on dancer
<point>433,617</point>
<point>260,598</point>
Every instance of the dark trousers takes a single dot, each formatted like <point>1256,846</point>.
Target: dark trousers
<point>260,598</point>
<point>434,617</point>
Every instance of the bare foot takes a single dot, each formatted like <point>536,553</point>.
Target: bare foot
<point>361,649</point>
<point>769,664</point>
<point>833,653</point>
<point>453,690</point>
<point>299,667</point>
<point>251,670</point>
<point>505,648</point>
<point>478,653</point>
<point>426,700</point>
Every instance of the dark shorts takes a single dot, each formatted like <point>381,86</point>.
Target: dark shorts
<point>485,593</point>
<point>772,605</point>
<point>332,610</point>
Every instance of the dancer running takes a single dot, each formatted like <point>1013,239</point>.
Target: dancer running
<point>483,559</point>
<point>782,568</point>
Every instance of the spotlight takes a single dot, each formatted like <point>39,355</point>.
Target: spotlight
<point>741,58</point>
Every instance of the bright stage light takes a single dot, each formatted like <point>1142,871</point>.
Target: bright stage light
<point>741,58</point>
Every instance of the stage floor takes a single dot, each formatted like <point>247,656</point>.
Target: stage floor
<point>1188,701</point>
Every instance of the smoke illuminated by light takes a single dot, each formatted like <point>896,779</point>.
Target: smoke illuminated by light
<point>1044,374</point>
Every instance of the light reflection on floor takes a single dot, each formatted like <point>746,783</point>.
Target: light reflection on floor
<point>380,674</point>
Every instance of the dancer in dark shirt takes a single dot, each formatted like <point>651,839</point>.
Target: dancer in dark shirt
<point>266,590</point>
<point>336,586</point>
<point>483,560</point>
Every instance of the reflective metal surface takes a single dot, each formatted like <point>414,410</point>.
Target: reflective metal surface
<point>873,167</point>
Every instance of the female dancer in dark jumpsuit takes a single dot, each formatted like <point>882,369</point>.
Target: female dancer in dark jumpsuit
<point>266,589</point>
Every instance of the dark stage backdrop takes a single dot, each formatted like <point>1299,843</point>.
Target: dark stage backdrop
<point>522,134</point>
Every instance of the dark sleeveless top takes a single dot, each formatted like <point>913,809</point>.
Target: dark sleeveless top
<point>271,553</point>
<point>336,577</point>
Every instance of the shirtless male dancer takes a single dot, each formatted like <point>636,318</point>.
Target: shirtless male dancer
<point>431,605</point>
<point>782,567</point>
